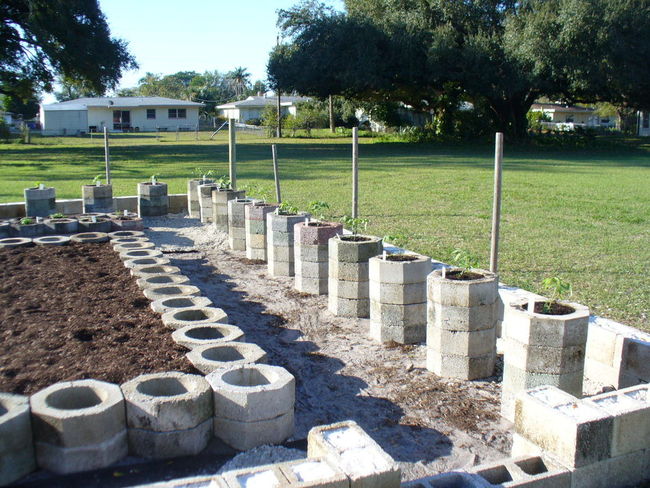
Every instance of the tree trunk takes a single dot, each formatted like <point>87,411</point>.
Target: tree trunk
<point>511,116</point>
<point>331,111</point>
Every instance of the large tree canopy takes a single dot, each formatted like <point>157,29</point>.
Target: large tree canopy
<point>498,54</point>
<point>40,39</point>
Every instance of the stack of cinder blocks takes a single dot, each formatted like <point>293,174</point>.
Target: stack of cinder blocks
<point>310,247</point>
<point>204,192</point>
<point>348,289</point>
<point>16,444</point>
<point>541,350</point>
<point>255,228</point>
<point>193,205</point>
<point>604,441</point>
<point>220,199</point>
<point>461,333</point>
<point>237,223</point>
<point>280,242</point>
<point>398,297</point>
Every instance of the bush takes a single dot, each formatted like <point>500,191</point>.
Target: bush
<point>254,121</point>
<point>5,133</point>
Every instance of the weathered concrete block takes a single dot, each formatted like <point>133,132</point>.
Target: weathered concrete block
<point>543,359</point>
<point>90,237</point>
<point>280,254</point>
<point>449,317</point>
<point>178,302</point>
<point>348,271</point>
<point>255,227</point>
<point>16,445</point>
<point>12,242</point>
<point>399,315</point>
<point>258,212</point>
<point>280,268</point>
<point>140,253</point>
<point>461,293</point>
<point>400,269</point>
<point>349,289</point>
<point>193,205</point>
<point>193,336</point>
<point>354,249</point>
<point>316,473</point>
<point>177,319</point>
<point>256,240</point>
<point>402,334</point>
<point>210,357</point>
<point>314,254</point>
<point>140,262</point>
<point>461,343</point>
<point>163,445</point>
<point>348,307</point>
<point>315,286</point>
<point>461,367</point>
<point>268,475</point>
<point>575,433</point>
<point>130,246</point>
<point>525,471</point>
<point>310,269</point>
<point>78,425</point>
<point>257,254</point>
<point>51,240</point>
<point>347,446</point>
<point>628,469</point>
<point>162,279</point>
<point>316,233</point>
<point>146,270</point>
<point>166,291</point>
<point>252,392</point>
<point>204,194</point>
<point>284,223</point>
<point>452,479</point>
<point>280,239</point>
<point>247,435</point>
<point>237,233</point>
<point>236,244</point>
<point>516,380</point>
<point>398,294</point>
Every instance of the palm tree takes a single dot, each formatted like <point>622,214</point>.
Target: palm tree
<point>239,80</point>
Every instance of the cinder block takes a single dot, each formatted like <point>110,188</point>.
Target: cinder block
<point>256,254</point>
<point>348,307</point>
<point>403,335</point>
<point>280,268</point>
<point>310,253</point>
<point>354,249</point>
<point>177,319</point>
<point>143,271</point>
<point>543,359</point>
<point>247,435</point>
<point>348,289</point>
<point>461,367</point>
<point>516,380</point>
<point>259,210</point>
<point>16,445</point>
<point>256,240</point>
<point>237,244</point>
<point>575,433</point>
<point>313,473</point>
<point>236,232</point>
<point>200,335</point>
<point>145,262</point>
<point>627,469</point>
<point>280,239</point>
<point>471,344</point>
<point>526,471</point>
<point>398,294</point>
<point>268,476</point>
<point>602,373</point>
<point>461,293</point>
<point>162,279</point>
<point>347,446</point>
<point>347,271</point>
<point>316,233</point>
<point>311,270</point>
<point>400,269</point>
<point>398,315</point>
<point>140,253</point>
<point>179,302</point>
<point>284,223</point>
<point>211,357</point>
<point>280,253</point>
<point>601,344</point>
<point>315,286</point>
<point>460,318</point>
<point>255,227</point>
<point>163,445</point>
<point>453,479</point>
<point>636,359</point>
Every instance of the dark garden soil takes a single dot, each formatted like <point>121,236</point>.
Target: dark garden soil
<point>75,312</point>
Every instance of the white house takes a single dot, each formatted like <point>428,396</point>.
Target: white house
<point>568,117</point>
<point>253,106</point>
<point>123,114</point>
<point>644,124</point>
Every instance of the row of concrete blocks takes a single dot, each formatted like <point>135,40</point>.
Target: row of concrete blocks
<point>237,223</point>
<point>340,455</point>
<point>255,216</point>
<point>280,245</point>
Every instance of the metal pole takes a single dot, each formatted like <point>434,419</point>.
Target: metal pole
<point>232,153</point>
<point>274,151</point>
<point>496,203</point>
<point>355,172</point>
<point>107,157</point>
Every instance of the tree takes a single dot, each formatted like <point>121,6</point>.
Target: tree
<point>72,89</point>
<point>27,108</point>
<point>40,39</point>
<point>240,80</point>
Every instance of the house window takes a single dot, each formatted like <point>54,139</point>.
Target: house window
<point>177,113</point>
<point>121,119</point>
<point>646,120</point>
<point>151,113</point>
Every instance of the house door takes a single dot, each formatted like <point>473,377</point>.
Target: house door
<point>121,119</point>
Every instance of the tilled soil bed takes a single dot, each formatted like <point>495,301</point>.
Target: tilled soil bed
<point>75,312</point>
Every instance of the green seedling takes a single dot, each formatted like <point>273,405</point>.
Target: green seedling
<point>559,289</point>
<point>354,224</point>
<point>57,215</point>
<point>224,182</point>
<point>257,191</point>
<point>26,221</point>
<point>319,209</point>
<point>464,260</point>
<point>286,208</point>
<point>398,239</point>
<point>154,179</point>
<point>97,180</point>
<point>202,173</point>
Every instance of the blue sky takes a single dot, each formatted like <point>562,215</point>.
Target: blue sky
<point>167,36</point>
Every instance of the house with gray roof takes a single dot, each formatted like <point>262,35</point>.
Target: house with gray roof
<point>119,114</point>
<point>253,106</point>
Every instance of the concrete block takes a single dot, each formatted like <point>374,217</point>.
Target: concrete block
<point>72,206</point>
<point>177,319</point>
<point>348,289</point>
<point>284,223</point>
<point>575,433</point>
<point>163,445</point>
<point>252,392</point>
<point>236,244</point>
<point>516,379</point>
<point>450,317</point>
<point>247,435</point>
<point>314,254</point>
<point>403,335</point>
<point>398,315</point>
<point>347,446</point>
<point>400,269</point>
<point>601,344</point>
<point>16,445</point>
<point>544,359</point>
<point>146,270</point>
<point>211,357</point>
<point>630,411</point>
<point>164,402</point>
<point>348,271</point>
<point>461,293</point>
<point>208,481</point>
<point>280,253</point>
<point>602,373</point>
<point>636,359</point>
<point>453,479</point>
<point>280,239</point>
<point>166,291</point>
<point>316,233</point>
<point>525,471</point>
<point>255,227</point>
<point>354,249</point>
<point>537,329</point>
<point>131,234</point>
<point>315,286</point>
<point>258,254</point>
<point>280,268</point>
<point>51,240</point>
<point>267,476</point>
<point>627,469</point>
<point>256,240</point>
<point>12,242</point>
<point>259,210</point>
<point>471,344</point>
<point>88,237</point>
<point>162,279</point>
<point>128,203</point>
<point>133,263</point>
<point>310,269</point>
<point>398,294</point>
<point>461,367</point>
<point>348,307</point>
<point>178,302</point>
<point>237,233</point>
<point>313,473</point>
<point>193,336</point>
<point>84,416</point>
<point>129,246</point>
<point>140,253</point>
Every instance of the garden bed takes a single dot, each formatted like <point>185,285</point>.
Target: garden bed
<point>74,312</point>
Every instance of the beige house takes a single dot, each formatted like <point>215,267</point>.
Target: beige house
<point>568,117</point>
<point>119,114</point>
<point>253,106</point>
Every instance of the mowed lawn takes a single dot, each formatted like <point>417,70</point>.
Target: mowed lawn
<point>583,215</point>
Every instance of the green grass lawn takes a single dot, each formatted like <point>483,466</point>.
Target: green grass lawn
<point>583,215</point>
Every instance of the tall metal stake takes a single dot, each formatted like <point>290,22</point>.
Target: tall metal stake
<point>107,157</point>
<point>496,203</point>
<point>276,175</point>
<point>355,172</point>
<point>232,153</point>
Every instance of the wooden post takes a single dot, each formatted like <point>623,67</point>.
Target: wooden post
<point>107,157</point>
<point>496,203</point>
<point>331,111</point>
<point>276,175</point>
<point>232,153</point>
<point>355,172</point>
<point>279,116</point>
